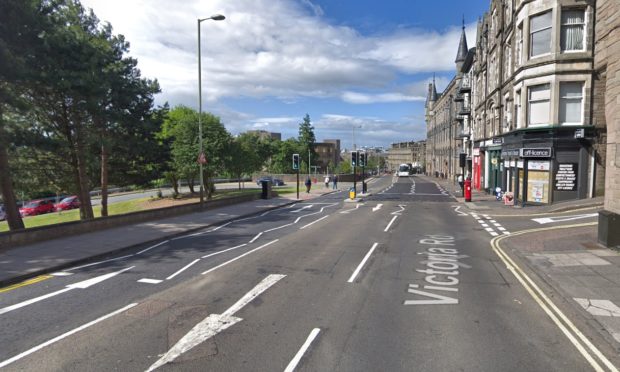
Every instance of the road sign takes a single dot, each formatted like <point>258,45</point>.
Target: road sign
<point>202,159</point>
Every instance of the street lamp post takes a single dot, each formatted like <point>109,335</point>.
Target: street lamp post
<point>201,156</point>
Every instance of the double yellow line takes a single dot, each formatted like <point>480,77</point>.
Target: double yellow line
<point>34,280</point>
<point>576,337</point>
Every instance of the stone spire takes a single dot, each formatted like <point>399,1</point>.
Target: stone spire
<point>462,52</point>
<point>432,92</point>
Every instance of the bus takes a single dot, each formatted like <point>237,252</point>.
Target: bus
<point>404,170</point>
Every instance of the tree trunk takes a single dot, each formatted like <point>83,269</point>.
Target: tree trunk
<point>13,218</point>
<point>104,180</point>
<point>86,209</point>
<point>175,184</point>
<point>190,184</point>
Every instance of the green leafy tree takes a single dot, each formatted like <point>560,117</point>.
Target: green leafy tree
<point>307,140</point>
<point>282,159</point>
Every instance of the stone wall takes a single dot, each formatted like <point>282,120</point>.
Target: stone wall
<point>607,65</point>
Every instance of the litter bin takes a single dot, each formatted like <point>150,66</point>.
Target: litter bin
<point>352,193</point>
<point>266,189</point>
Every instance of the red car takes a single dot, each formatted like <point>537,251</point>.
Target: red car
<point>70,202</point>
<point>36,207</point>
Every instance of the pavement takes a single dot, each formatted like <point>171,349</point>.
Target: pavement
<point>584,275</point>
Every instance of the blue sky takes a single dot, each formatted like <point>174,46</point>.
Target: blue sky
<point>352,65</point>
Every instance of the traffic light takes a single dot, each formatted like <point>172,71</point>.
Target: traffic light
<point>354,158</point>
<point>295,161</point>
<point>362,159</point>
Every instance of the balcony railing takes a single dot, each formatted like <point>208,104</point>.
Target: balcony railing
<point>465,85</point>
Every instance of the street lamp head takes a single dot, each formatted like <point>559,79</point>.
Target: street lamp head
<point>218,17</point>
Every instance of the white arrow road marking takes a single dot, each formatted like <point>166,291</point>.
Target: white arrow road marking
<point>214,323</point>
<point>81,285</point>
<point>295,361</point>
<point>545,220</point>
<point>302,208</point>
<point>64,335</point>
<point>377,207</point>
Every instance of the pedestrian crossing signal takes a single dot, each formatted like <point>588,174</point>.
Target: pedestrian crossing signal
<point>354,156</point>
<point>362,160</point>
<point>295,161</point>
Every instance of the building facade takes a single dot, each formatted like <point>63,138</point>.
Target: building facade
<point>412,152</point>
<point>524,99</point>
<point>606,106</point>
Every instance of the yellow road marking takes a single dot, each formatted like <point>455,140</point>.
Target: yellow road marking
<point>25,283</point>
<point>556,315</point>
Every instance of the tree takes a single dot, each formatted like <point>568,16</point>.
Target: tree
<point>306,140</point>
<point>181,127</point>
<point>282,158</point>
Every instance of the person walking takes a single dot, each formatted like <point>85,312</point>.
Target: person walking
<point>335,182</point>
<point>308,184</point>
<point>327,182</point>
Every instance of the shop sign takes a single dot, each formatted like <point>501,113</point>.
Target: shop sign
<point>498,140</point>
<point>520,164</point>
<point>536,152</point>
<point>510,153</point>
<point>566,177</point>
<point>538,165</point>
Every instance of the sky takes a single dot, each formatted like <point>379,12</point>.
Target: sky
<point>359,68</point>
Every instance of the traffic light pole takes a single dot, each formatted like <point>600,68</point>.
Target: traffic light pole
<point>355,180</point>
<point>298,183</point>
<point>364,178</point>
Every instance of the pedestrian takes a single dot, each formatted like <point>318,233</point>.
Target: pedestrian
<point>335,182</point>
<point>327,182</point>
<point>460,181</point>
<point>308,185</point>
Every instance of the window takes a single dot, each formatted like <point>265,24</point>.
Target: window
<point>519,45</point>
<point>518,109</point>
<point>507,62</point>
<point>540,34</point>
<point>571,37</point>
<point>571,102</point>
<point>538,104</point>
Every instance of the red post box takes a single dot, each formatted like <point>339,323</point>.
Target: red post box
<point>468,190</point>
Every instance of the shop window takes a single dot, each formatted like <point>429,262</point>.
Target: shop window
<point>572,32</point>
<point>538,104</point>
<point>540,34</point>
<point>571,102</point>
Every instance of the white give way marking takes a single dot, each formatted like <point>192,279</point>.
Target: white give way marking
<point>214,323</point>
<point>456,209</point>
<point>545,220</point>
<point>377,207</point>
<point>80,285</point>
<point>402,209</point>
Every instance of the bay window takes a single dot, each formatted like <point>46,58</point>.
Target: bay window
<point>538,104</point>
<point>572,31</point>
<point>571,102</point>
<point>540,34</point>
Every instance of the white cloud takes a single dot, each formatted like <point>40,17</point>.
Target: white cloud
<point>270,48</point>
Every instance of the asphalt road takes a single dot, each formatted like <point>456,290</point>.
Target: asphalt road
<point>402,281</point>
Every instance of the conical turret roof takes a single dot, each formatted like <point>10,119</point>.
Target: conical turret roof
<point>462,52</point>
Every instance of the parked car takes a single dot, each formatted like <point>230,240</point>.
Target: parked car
<point>36,207</point>
<point>274,181</point>
<point>70,202</point>
<point>2,213</point>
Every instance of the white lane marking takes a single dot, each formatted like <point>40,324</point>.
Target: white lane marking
<point>238,257</point>
<point>256,237</point>
<point>225,250</point>
<point>456,209</point>
<point>493,233</point>
<point>96,280</point>
<point>500,228</point>
<point>484,225</point>
<point>279,227</point>
<point>402,209</point>
<point>151,247</point>
<point>359,267</point>
<point>556,315</point>
<point>99,263</point>
<point>295,361</point>
<point>377,207</point>
<point>302,208</point>
<point>183,269</point>
<point>599,307</point>
<point>150,281</point>
<point>64,335</point>
<point>61,273</point>
<point>219,227</point>
<point>214,323</point>
<point>32,301</point>
<point>297,219</point>
<point>506,232</point>
<point>546,220</point>
<point>313,222</point>
<point>81,285</point>
<point>489,229</point>
<point>390,224</point>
